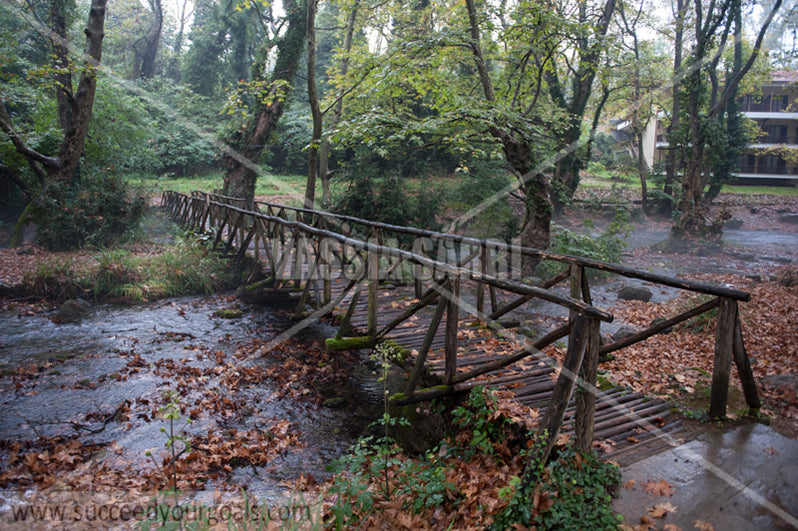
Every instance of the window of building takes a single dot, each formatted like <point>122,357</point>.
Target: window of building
<point>778,103</point>
<point>776,134</point>
<point>775,164</point>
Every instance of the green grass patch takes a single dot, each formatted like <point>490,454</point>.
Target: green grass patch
<point>267,184</point>
<point>186,267</point>
<point>784,191</point>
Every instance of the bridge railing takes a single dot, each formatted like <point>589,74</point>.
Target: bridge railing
<point>437,264</point>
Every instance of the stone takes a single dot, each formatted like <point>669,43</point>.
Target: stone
<point>73,310</point>
<point>634,293</point>
<point>528,329</point>
<point>335,403</point>
<point>734,224</point>
<point>623,332</point>
<point>789,218</point>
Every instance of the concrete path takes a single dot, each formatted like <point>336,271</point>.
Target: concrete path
<point>737,480</point>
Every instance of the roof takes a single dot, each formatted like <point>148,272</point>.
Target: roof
<point>783,76</point>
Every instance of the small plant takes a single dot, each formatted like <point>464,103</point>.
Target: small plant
<point>573,494</point>
<point>170,412</point>
<point>479,414</point>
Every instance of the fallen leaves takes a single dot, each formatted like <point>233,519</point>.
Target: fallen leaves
<point>661,509</point>
<point>659,488</point>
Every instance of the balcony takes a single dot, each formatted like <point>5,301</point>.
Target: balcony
<point>776,138</point>
<point>776,106</point>
<point>758,170</point>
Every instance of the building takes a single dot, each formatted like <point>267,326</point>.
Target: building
<point>775,111</point>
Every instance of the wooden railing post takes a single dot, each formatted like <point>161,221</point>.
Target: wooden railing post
<point>586,393</point>
<point>483,268</point>
<point>326,269</point>
<point>724,344</point>
<point>452,321</point>
<point>555,412</point>
<point>373,275</point>
<point>744,370</point>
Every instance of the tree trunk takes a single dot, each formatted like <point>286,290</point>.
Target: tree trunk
<point>242,161</point>
<point>671,164</point>
<point>62,65</point>
<point>535,185</point>
<point>337,111</point>
<point>315,111</point>
<point>566,172</point>
<point>152,40</point>
<point>83,100</point>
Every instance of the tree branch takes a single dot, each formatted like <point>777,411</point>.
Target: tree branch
<point>727,91</point>
<point>19,143</point>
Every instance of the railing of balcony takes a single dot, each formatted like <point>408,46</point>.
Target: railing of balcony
<point>776,139</point>
<point>753,169</point>
<point>775,106</point>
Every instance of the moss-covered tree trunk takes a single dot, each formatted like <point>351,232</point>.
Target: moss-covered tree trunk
<point>241,162</point>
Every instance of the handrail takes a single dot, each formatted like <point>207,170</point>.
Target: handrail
<point>690,285</point>
<point>521,289</point>
<point>243,225</point>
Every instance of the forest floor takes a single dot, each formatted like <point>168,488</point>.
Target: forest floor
<point>676,365</point>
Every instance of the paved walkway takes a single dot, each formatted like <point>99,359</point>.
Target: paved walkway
<point>745,478</point>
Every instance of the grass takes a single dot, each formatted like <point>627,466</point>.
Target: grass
<point>785,191</point>
<point>187,266</point>
<point>267,184</point>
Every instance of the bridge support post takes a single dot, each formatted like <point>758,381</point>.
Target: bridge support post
<point>452,319</point>
<point>373,275</point>
<point>586,393</point>
<point>724,345</point>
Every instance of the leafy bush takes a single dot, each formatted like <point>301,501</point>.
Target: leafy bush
<point>581,485</point>
<point>186,267</point>
<point>607,246</point>
<point>100,211</point>
<point>478,182</point>
<point>379,194</point>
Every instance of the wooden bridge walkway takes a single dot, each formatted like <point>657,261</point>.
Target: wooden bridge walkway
<point>453,301</point>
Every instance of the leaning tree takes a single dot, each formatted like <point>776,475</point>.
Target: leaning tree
<point>75,103</point>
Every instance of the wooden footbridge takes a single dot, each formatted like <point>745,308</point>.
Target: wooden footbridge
<point>450,301</point>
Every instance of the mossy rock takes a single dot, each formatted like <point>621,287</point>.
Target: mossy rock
<point>229,313</point>
<point>349,343</point>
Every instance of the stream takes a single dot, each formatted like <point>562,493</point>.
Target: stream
<point>78,370</point>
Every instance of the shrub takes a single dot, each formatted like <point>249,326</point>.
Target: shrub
<point>379,194</point>
<point>607,246</point>
<point>102,210</point>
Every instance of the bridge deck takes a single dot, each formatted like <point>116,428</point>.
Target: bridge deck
<point>629,426</point>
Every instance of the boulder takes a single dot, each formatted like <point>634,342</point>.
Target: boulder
<point>623,332</point>
<point>789,218</point>
<point>73,310</point>
<point>734,224</point>
<point>634,293</point>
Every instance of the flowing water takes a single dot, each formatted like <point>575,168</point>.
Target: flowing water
<point>77,370</point>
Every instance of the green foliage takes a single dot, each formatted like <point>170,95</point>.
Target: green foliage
<point>582,483</point>
<point>478,182</point>
<point>579,488</point>
<point>377,193</point>
<point>479,415</point>
<point>186,267</point>
<point>607,246</point>
<point>101,211</point>
<point>286,152</point>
